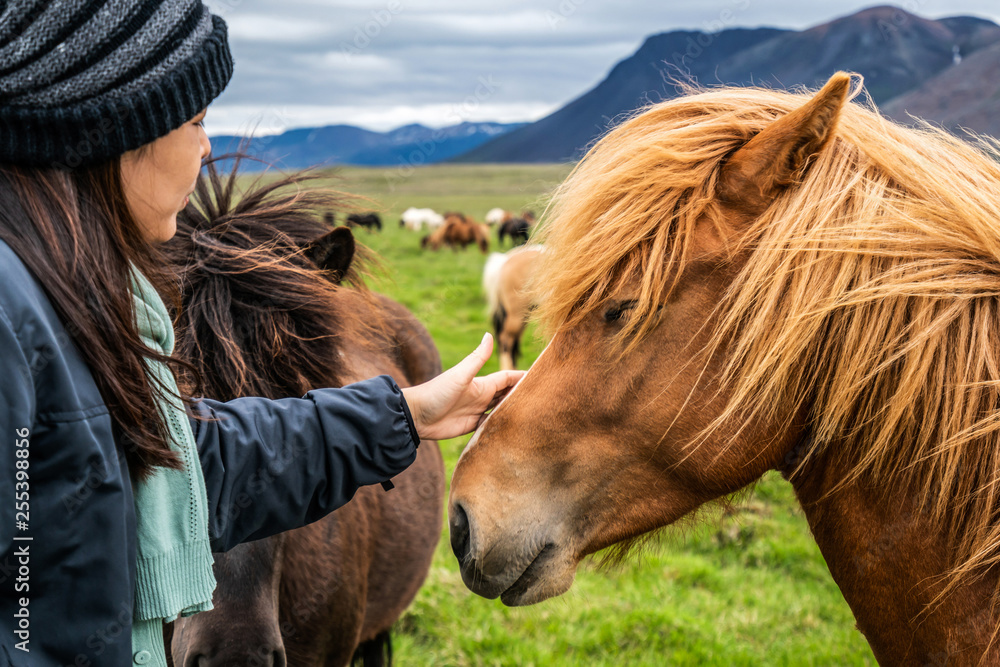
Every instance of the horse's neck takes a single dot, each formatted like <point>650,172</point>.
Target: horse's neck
<point>889,566</point>
<point>361,349</point>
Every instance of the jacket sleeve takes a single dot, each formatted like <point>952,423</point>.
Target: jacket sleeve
<point>275,465</point>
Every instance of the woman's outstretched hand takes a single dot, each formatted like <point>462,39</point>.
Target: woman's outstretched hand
<point>455,402</point>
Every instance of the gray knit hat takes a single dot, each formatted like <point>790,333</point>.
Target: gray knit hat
<point>82,81</point>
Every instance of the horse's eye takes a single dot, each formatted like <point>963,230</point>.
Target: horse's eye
<point>617,311</point>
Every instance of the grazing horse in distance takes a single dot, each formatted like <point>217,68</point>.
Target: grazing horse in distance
<point>506,283</point>
<point>457,232</point>
<point>481,233</point>
<point>497,216</point>
<point>268,311</point>
<point>745,280</point>
<point>516,229</point>
<point>415,219</point>
<point>368,220</point>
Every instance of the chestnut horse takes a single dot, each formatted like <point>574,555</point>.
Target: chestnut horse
<point>507,284</point>
<point>265,314</point>
<point>742,280</point>
<point>458,231</point>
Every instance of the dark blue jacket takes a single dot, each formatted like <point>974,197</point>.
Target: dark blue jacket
<point>67,520</point>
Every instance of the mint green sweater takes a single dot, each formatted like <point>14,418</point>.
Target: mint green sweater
<point>174,570</point>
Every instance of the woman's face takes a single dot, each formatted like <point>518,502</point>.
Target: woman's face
<point>159,176</point>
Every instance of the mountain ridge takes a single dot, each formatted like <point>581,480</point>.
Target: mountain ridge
<point>895,51</point>
<point>342,144</point>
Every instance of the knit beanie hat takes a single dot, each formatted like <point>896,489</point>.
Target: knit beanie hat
<point>83,81</point>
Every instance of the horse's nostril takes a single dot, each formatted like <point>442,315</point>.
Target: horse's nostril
<point>278,659</point>
<point>459,525</point>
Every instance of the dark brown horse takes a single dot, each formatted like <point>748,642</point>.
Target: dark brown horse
<point>743,280</point>
<point>370,220</point>
<point>517,229</point>
<point>267,313</point>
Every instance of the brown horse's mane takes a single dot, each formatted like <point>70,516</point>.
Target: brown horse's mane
<point>870,293</point>
<point>259,317</point>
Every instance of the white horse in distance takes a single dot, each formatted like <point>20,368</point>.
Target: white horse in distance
<point>498,216</point>
<point>416,218</point>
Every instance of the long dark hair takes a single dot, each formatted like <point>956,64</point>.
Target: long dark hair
<point>75,233</point>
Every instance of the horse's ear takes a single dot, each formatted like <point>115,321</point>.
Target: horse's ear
<point>779,156</point>
<point>333,251</point>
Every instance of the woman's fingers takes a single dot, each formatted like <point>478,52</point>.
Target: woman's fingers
<point>456,402</point>
<point>467,368</point>
<point>505,384</point>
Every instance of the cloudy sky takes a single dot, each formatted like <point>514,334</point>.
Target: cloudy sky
<point>384,63</point>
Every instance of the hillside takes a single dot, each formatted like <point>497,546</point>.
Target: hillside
<point>896,52</point>
<point>964,96</point>
<point>350,145</point>
<point>633,83</point>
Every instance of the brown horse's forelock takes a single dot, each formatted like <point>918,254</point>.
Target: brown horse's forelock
<point>870,291</point>
<point>272,313</point>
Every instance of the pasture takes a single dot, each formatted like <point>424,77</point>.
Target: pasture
<point>746,586</point>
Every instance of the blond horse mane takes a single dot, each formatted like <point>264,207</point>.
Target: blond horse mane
<point>870,292</point>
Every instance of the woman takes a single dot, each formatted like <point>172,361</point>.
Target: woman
<point>115,491</point>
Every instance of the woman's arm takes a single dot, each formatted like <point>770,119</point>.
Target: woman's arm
<point>275,465</point>
<point>272,466</point>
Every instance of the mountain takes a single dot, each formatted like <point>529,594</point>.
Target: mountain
<point>964,96</point>
<point>633,83</point>
<point>346,144</point>
<point>896,52</point>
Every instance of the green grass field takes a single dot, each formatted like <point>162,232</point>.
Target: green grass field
<point>747,587</point>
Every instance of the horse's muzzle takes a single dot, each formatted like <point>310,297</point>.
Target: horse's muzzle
<point>518,572</point>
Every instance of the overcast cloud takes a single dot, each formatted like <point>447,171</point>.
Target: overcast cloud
<point>385,63</point>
